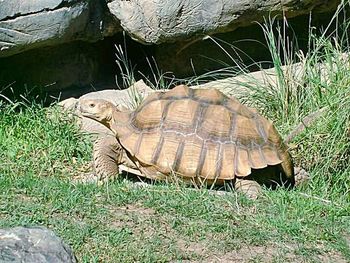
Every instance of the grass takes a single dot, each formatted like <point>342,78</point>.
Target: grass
<point>41,150</point>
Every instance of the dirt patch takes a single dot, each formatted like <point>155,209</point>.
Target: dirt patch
<point>254,253</point>
<point>130,216</point>
<point>130,210</point>
<point>332,257</point>
<point>347,239</point>
<point>268,253</point>
<point>190,247</point>
<point>25,198</point>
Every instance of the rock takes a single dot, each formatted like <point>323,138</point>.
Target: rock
<point>162,21</point>
<point>237,86</point>
<point>46,45</point>
<point>28,24</point>
<point>34,23</point>
<point>33,245</point>
<point>245,46</point>
<point>127,98</point>
<point>244,84</point>
<point>124,98</point>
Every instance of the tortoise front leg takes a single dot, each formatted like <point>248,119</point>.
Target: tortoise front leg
<point>248,187</point>
<point>107,155</point>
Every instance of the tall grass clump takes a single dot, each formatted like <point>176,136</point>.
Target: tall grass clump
<point>312,83</point>
<point>156,79</point>
<point>38,141</point>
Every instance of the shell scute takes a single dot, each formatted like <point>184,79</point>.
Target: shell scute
<point>181,91</point>
<point>256,157</point>
<point>216,123</point>
<point>190,156</point>
<point>130,142</point>
<point>149,116</point>
<point>167,154</point>
<point>243,167</point>
<point>181,116</point>
<point>147,146</point>
<point>235,106</point>
<point>228,164</point>
<point>210,167</point>
<point>271,155</point>
<point>247,130</point>
<point>212,96</point>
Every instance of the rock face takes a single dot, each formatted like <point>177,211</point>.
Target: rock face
<point>33,245</point>
<point>161,21</point>
<point>245,44</point>
<point>27,24</point>
<point>34,23</point>
<point>55,45</point>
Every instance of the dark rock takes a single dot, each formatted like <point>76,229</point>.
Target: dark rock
<point>78,65</point>
<point>33,245</point>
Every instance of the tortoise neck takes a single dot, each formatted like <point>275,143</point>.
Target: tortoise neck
<point>118,122</point>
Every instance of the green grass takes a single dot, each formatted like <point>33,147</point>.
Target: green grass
<point>41,150</point>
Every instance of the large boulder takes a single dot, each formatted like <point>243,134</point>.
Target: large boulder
<point>35,23</point>
<point>28,24</point>
<point>159,21</point>
<point>33,245</point>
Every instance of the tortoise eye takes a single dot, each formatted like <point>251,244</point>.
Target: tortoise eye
<point>91,105</point>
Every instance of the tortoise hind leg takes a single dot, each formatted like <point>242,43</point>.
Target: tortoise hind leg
<point>250,188</point>
<point>302,177</point>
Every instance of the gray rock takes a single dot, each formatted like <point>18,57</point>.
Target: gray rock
<point>33,245</point>
<point>161,21</point>
<point>33,23</point>
<point>15,8</point>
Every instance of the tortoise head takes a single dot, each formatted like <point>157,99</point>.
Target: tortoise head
<point>97,109</point>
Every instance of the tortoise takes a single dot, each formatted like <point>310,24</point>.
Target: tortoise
<point>199,135</point>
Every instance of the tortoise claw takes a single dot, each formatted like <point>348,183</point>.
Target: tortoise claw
<point>302,177</point>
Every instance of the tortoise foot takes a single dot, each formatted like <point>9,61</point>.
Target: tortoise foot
<point>302,177</point>
<point>249,188</point>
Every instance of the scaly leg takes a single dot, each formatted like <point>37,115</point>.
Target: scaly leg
<point>107,155</point>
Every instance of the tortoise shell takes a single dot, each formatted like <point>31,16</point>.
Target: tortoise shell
<point>202,134</point>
